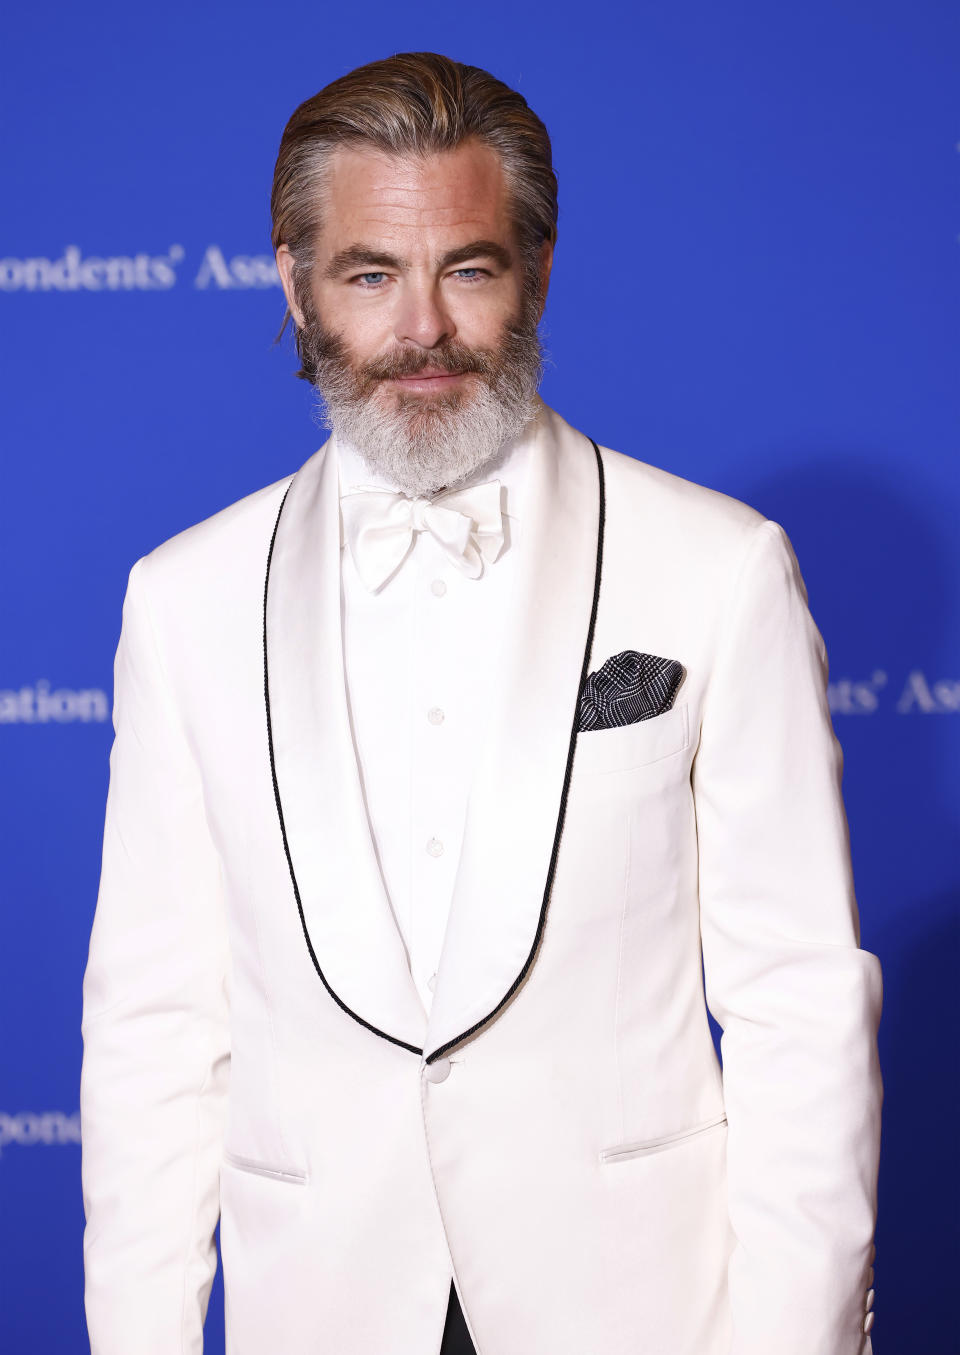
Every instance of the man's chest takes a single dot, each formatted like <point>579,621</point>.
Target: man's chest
<point>422,658</point>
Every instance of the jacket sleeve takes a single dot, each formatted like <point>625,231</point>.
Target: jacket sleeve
<point>798,1001</point>
<point>155,1030</point>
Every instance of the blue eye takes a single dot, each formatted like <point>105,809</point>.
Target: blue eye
<point>372,279</point>
<point>474,273</point>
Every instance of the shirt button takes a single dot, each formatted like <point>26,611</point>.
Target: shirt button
<point>435,847</point>
<point>868,1322</point>
<point>438,588</point>
<point>435,716</point>
<point>438,1071</point>
<point>432,983</point>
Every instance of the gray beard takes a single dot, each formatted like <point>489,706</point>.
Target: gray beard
<point>424,444</point>
<point>422,452</point>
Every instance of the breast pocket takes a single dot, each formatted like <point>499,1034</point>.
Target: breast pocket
<point>636,745</point>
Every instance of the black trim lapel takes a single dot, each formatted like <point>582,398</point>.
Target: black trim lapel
<point>282,817</point>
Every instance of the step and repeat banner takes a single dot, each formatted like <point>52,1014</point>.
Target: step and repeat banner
<point>755,288</point>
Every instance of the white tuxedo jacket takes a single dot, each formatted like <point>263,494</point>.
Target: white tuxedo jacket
<point>558,1134</point>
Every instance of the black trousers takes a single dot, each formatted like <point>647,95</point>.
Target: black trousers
<point>456,1338</point>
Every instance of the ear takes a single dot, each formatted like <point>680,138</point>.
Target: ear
<point>546,264</point>
<point>285,267</point>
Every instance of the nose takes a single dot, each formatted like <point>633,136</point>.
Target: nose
<point>422,317</point>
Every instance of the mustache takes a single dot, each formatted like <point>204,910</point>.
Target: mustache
<point>451,357</point>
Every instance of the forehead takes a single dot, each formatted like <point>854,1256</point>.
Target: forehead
<point>379,197</point>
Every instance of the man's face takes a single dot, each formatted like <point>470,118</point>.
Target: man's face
<point>419,312</point>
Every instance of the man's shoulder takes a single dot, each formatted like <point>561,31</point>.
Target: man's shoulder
<point>641,492</point>
<point>679,504</point>
<point>219,545</point>
<point>653,515</point>
<point>238,520</point>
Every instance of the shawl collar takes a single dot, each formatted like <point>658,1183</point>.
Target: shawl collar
<point>518,793</point>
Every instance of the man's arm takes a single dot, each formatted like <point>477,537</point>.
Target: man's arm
<point>799,1003</point>
<point>156,1051</point>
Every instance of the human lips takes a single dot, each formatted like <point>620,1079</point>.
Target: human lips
<point>430,378</point>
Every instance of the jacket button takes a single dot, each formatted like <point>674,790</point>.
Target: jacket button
<point>870,1294</point>
<point>868,1322</point>
<point>438,1071</point>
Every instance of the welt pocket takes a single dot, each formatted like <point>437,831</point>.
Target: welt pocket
<point>291,1176</point>
<point>636,745</point>
<point>645,1147</point>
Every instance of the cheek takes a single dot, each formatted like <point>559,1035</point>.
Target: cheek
<point>481,317</point>
<point>366,329</point>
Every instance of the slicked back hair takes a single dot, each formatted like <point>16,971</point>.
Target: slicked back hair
<point>414,103</point>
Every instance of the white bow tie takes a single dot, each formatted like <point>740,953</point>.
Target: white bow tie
<point>379,526</point>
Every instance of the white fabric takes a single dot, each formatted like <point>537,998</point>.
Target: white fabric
<point>421,657</point>
<point>379,528</point>
<point>576,1158</point>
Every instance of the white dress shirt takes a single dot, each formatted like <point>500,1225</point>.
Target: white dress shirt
<point>421,658</point>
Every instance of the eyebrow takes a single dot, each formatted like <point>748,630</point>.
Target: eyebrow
<point>477,249</point>
<point>366,256</point>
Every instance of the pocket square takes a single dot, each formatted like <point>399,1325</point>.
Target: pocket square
<point>629,687</point>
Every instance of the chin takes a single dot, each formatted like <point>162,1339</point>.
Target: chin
<point>417,408</point>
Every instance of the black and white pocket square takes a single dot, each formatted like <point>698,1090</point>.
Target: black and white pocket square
<point>629,687</point>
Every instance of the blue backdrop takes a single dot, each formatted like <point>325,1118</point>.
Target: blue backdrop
<point>755,288</point>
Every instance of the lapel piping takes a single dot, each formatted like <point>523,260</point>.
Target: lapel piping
<point>368,1025</point>
<point>339,894</point>
<point>477,1026</point>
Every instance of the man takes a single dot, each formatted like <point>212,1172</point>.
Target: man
<point>438,768</point>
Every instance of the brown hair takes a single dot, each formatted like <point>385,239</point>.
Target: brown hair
<point>414,103</point>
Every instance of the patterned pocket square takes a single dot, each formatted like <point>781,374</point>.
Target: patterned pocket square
<point>629,687</point>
